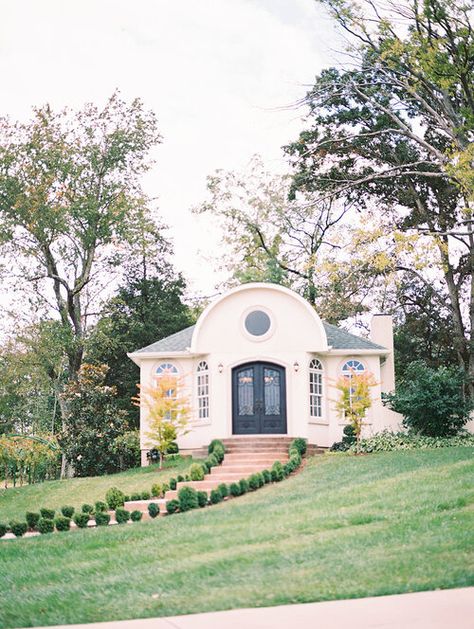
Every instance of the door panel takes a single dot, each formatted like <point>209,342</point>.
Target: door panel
<point>258,399</point>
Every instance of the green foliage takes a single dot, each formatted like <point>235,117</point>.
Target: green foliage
<point>235,490</point>
<point>244,486</point>
<point>28,459</point>
<point>172,506</point>
<point>86,508</point>
<point>196,472</point>
<point>212,460</point>
<point>45,525</point>
<point>253,482</point>
<point>100,506</point>
<point>387,441</point>
<point>67,511</point>
<point>62,523</point>
<point>267,476</point>
<point>156,490</point>
<point>164,488</point>
<point>102,518</point>
<point>136,516</point>
<point>224,490</point>
<point>3,529</point>
<point>173,482</point>
<point>347,440</point>
<point>81,520</point>
<point>277,471</point>
<point>95,421</point>
<point>188,499</point>
<point>18,528</point>
<point>145,495</point>
<point>126,447</point>
<point>300,444</point>
<point>215,443</point>
<point>431,401</point>
<point>32,519</point>
<point>180,478</point>
<point>215,496</point>
<point>135,496</point>
<point>47,514</point>
<point>122,515</point>
<point>218,452</point>
<point>153,509</point>
<point>202,498</point>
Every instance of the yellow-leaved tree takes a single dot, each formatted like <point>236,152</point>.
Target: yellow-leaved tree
<point>168,411</point>
<point>355,399</point>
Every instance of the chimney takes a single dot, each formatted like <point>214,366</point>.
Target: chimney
<point>381,332</point>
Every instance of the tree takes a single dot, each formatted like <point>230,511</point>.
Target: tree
<point>167,410</point>
<point>355,400</point>
<point>70,202</point>
<point>432,401</point>
<point>395,134</point>
<point>93,423</point>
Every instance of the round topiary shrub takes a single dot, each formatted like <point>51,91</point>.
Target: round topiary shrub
<point>267,476</point>
<point>244,486</point>
<point>219,452</point>
<point>202,498</point>
<point>47,514</point>
<point>172,448</point>
<point>172,506</point>
<point>300,444</point>
<point>180,478</point>
<point>122,515</point>
<point>145,495</point>
<point>253,482</point>
<point>100,506</point>
<point>196,472</point>
<point>18,528</point>
<point>224,490</point>
<point>81,520</point>
<point>136,516</point>
<point>188,499</point>
<point>32,519</point>
<point>234,490</point>
<point>153,509</point>
<point>67,511</point>
<point>173,482</point>
<point>115,498</point>
<point>213,444</point>
<point>215,496</point>
<point>164,488</point>
<point>87,508</point>
<point>102,518</point>
<point>45,525</point>
<point>62,523</point>
<point>156,490</point>
<point>3,529</point>
<point>277,472</point>
<point>135,496</point>
<point>260,479</point>
<point>212,460</point>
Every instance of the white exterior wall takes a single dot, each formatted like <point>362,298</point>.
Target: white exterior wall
<point>296,336</point>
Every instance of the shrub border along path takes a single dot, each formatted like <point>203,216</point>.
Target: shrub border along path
<point>188,497</point>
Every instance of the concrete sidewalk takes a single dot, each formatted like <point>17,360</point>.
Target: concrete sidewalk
<point>441,609</point>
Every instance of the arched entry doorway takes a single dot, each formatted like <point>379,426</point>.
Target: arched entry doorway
<point>258,399</point>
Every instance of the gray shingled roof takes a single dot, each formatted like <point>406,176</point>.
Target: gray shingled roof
<point>337,339</point>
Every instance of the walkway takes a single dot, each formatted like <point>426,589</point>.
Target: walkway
<point>442,609</point>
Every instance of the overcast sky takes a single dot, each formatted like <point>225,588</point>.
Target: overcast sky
<point>218,74</point>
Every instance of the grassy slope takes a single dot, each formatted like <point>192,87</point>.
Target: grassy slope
<point>345,527</point>
<point>14,502</point>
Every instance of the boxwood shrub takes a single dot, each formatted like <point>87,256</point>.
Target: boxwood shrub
<point>277,472</point>
<point>100,506</point>
<point>102,518</point>
<point>115,498</point>
<point>62,523</point>
<point>214,443</point>
<point>164,488</point>
<point>86,508</point>
<point>180,478</point>
<point>173,483</point>
<point>122,515</point>
<point>300,444</point>
<point>219,452</point>
<point>234,490</point>
<point>202,498</point>
<point>48,514</point>
<point>215,496</point>
<point>187,497</point>
<point>261,479</point>
<point>135,496</point>
<point>32,519</point>
<point>253,482</point>
<point>3,529</point>
<point>267,476</point>
<point>156,490</point>
<point>67,511</point>
<point>196,472</point>
<point>244,486</point>
<point>45,525</point>
<point>212,460</point>
<point>136,516</point>
<point>224,490</point>
<point>81,520</point>
<point>172,506</point>
<point>145,495</point>
<point>153,509</point>
<point>18,528</point>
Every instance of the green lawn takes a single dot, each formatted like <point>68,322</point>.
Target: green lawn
<point>14,502</point>
<point>344,527</point>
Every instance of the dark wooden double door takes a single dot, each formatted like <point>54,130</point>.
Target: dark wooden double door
<point>258,399</point>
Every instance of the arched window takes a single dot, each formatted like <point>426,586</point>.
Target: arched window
<point>351,367</point>
<point>167,369</point>
<point>203,390</point>
<point>315,388</point>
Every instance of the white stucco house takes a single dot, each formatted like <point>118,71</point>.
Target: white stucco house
<point>260,361</point>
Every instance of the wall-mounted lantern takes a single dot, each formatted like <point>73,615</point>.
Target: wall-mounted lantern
<point>220,367</point>
<point>296,366</point>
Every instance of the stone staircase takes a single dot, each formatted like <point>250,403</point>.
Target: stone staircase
<point>244,455</point>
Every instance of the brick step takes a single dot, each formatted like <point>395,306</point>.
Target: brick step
<point>245,468</point>
<point>142,505</point>
<point>248,448</point>
<point>257,439</point>
<point>231,477</point>
<point>199,485</point>
<point>249,459</point>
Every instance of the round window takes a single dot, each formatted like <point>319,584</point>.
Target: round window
<point>257,323</point>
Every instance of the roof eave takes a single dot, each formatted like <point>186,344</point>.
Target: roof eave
<point>137,357</point>
<point>355,352</point>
